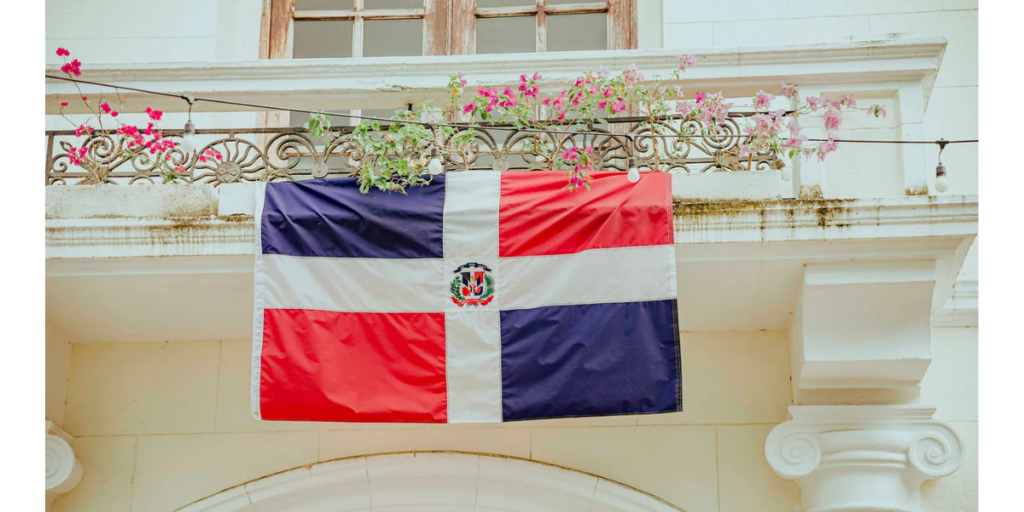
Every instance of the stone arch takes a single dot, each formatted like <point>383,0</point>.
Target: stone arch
<point>412,481</point>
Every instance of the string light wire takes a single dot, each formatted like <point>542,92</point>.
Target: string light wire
<point>190,99</point>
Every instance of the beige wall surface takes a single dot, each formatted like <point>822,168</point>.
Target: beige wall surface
<point>161,425</point>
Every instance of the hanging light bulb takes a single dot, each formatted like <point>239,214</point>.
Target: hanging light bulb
<point>435,166</point>
<point>634,173</point>
<point>941,183</point>
<point>188,138</point>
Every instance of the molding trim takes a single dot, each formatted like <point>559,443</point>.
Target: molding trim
<point>456,478</point>
<point>863,457</point>
<point>390,81</point>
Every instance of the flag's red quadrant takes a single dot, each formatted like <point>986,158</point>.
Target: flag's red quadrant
<point>359,367</point>
<point>538,217</point>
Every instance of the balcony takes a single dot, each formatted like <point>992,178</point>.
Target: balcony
<point>744,236</point>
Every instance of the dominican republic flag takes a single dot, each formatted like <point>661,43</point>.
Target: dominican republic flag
<point>482,297</point>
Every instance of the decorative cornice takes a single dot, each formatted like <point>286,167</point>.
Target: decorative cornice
<point>863,457</point>
<point>381,82</point>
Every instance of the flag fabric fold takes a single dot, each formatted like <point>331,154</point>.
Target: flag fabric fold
<point>482,297</point>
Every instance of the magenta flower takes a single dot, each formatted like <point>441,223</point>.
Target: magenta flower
<point>468,108</point>
<point>105,107</point>
<point>154,114</point>
<point>700,97</point>
<point>63,103</point>
<point>536,76</point>
<point>61,52</point>
<point>618,106</point>
<point>589,150</point>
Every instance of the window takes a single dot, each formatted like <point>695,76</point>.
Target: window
<point>380,28</point>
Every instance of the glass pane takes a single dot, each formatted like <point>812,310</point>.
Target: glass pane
<point>393,4</point>
<point>577,32</point>
<point>506,35</point>
<point>322,39</point>
<point>387,38</point>
<point>323,5</point>
<point>505,3</point>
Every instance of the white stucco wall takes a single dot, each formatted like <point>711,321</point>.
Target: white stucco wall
<point>159,425</point>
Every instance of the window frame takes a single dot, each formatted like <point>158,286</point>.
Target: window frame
<point>449,26</point>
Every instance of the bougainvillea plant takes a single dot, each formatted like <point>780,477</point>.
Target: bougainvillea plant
<point>593,98</point>
<point>395,156</point>
<point>145,144</point>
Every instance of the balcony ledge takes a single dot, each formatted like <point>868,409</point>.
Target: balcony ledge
<point>389,82</point>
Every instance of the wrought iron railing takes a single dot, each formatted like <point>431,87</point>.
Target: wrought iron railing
<point>255,154</point>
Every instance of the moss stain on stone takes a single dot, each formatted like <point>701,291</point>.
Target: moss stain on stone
<point>827,211</point>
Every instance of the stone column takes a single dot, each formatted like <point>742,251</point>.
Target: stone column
<point>862,457</point>
<point>63,469</point>
<point>858,439</point>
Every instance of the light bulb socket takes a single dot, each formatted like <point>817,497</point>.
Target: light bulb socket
<point>190,129</point>
<point>940,171</point>
<point>434,153</point>
<point>632,163</point>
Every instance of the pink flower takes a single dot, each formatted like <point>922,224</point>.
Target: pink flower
<point>179,169</point>
<point>877,110</point>
<point>813,102</point>
<point>700,97</point>
<point>61,52</point>
<point>154,114</point>
<point>589,150</point>
<point>546,102</point>
<point>687,61</point>
<point>602,71</point>
<point>83,130</point>
<point>508,92</point>
<point>788,90</point>
<point>85,98</point>
<point>603,103</point>
<point>149,129</point>
<point>570,155</point>
<point>63,103</point>
<point>832,118</point>
<point>763,100</point>
<point>105,107</point>
<point>847,101</point>
<point>684,108</point>
<point>536,76</point>
<point>462,80</point>
<point>468,108</point>
<point>561,117</point>
<point>113,113</point>
<point>618,106</point>
<point>608,91</point>
<point>632,75</point>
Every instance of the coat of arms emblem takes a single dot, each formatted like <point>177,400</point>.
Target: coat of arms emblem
<point>473,285</point>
